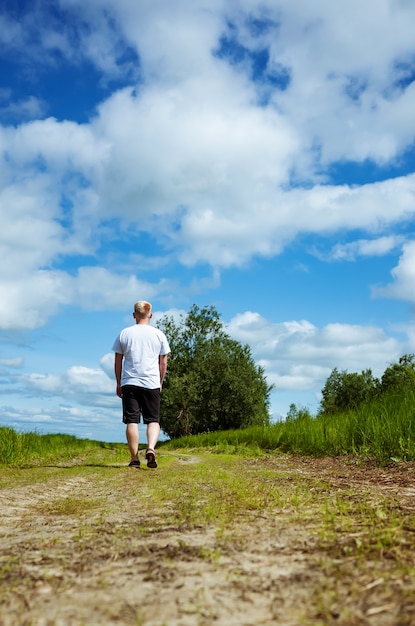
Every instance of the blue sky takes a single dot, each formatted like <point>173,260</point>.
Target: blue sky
<point>254,156</point>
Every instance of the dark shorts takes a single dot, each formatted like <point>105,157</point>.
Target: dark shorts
<point>137,401</point>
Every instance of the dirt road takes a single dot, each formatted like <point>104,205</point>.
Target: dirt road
<point>207,540</point>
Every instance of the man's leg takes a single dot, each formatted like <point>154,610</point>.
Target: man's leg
<point>153,433</point>
<point>151,411</point>
<point>132,439</point>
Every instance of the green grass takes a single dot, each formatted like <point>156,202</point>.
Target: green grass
<point>383,429</point>
<point>29,447</point>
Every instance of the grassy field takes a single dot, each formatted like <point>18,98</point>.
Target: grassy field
<point>383,429</point>
<point>20,448</point>
<point>308,522</point>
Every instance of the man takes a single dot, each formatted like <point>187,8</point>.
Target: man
<point>140,366</point>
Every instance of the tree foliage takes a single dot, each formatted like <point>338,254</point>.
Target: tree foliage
<point>298,414</point>
<point>399,375</point>
<point>212,382</point>
<point>344,390</point>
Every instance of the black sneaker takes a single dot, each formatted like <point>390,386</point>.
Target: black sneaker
<point>134,463</point>
<point>151,458</point>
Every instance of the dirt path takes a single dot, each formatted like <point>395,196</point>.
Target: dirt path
<point>320,542</point>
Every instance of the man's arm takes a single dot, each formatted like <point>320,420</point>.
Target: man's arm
<point>162,367</point>
<point>118,370</point>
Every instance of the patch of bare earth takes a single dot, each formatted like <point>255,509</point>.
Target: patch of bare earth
<point>119,561</point>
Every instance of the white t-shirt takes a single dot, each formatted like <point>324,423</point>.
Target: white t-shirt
<point>141,345</point>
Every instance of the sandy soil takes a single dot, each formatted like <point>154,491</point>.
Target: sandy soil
<point>60,567</point>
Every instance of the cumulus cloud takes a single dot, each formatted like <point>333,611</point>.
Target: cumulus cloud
<point>356,108</point>
<point>362,248</point>
<point>199,151</point>
<point>97,288</point>
<point>42,37</point>
<point>265,225</point>
<point>299,355</point>
<point>402,287</point>
<point>25,108</point>
<point>84,386</point>
<point>82,422</point>
<point>107,364</point>
<point>30,303</point>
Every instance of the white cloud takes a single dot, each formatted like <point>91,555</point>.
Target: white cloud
<point>26,108</point>
<point>87,386</point>
<point>41,37</point>
<point>266,223</point>
<point>192,156</point>
<point>11,32</point>
<point>49,383</point>
<point>85,379</point>
<point>28,302</point>
<point>96,288</point>
<point>107,364</point>
<point>60,147</point>
<point>78,380</point>
<point>354,110</point>
<point>177,146</point>
<point>402,287</point>
<point>172,39</point>
<point>14,363</point>
<point>362,247</point>
<point>82,422</point>
<point>297,355</point>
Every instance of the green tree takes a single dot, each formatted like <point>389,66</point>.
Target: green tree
<point>399,376</point>
<point>344,390</point>
<point>212,381</point>
<point>297,414</point>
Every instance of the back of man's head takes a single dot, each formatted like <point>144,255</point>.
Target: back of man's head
<point>142,309</point>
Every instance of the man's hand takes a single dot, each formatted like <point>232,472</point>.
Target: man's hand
<point>118,371</point>
<point>162,368</point>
